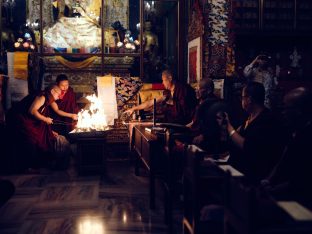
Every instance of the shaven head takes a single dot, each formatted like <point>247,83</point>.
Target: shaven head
<point>60,78</point>
<point>252,96</point>
<point>56,92</point>
<point>63,83</point>
<point>167,79</point>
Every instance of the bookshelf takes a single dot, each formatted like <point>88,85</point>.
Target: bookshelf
<point>278,15</point>
<point>276,27</point>
<point>272,16</point>
<point>246,15</point>
<point>304,15</point>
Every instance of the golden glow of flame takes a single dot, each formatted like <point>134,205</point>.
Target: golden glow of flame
<point>124,217</point>
<point>91,226</point>
<point>93,118</point>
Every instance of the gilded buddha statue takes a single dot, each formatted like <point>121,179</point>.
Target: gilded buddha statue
<point>81,30</point>
<point>150,39</point>
<point>151,53</point>
<point>7,37</point>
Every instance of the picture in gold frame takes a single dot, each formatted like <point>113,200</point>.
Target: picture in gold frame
<point>194,61</point>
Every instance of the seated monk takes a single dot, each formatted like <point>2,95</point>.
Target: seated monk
<point>207,133</point>
<point>64,109</point>
<point>179,101</point>
<point>30,127</point>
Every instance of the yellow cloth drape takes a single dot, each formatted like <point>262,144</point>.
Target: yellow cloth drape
<point>76,65</point>
<point>21,65</point>
<point>104,81</point>
<point>54,3</point>
<point>146,86</point>
<point>146,95</point>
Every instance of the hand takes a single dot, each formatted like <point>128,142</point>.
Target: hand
<point>48,120</point>
<point>55,134</point>
<point>179,146</point>
<point>74,116</point>
<point>129,111</point>
<point>228,123</point>
<point>226,118</point>
<point>189,125</point>
<point>255,61</point>
<point>266,184</point>
<point>198,139</point>
<point>222,118</point>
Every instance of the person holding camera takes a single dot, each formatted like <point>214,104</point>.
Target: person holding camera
<point>259,70</point>
<point>257,145</point>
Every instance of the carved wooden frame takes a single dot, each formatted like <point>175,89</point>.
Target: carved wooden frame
<point>195,35</point>
<point>194,55</point>
<point>196,22</point>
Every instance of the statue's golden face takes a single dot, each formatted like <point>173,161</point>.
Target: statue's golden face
<point>147,25</point>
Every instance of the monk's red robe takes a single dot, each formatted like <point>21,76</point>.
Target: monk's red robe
<point>69,105</point>
<point>30,135</point>
<point>183,105</point>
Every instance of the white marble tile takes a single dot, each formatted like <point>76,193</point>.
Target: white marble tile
<point>15,212</point>
<point>63,202</point>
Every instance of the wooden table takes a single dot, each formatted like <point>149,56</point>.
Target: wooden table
<point>92,151</point>
<point>147,145</point>
<point>130,125</point>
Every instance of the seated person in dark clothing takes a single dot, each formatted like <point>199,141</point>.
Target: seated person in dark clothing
<point>179,101</point>
<point>206,131</point>
<point>64,109</point>
<point>258,143</point>
<point>29,124</point>
<point>290,179</point>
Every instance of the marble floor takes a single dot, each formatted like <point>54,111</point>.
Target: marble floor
<point>63,202</point>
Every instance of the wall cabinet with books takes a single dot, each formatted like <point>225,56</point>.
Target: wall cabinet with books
<point>274,16</point>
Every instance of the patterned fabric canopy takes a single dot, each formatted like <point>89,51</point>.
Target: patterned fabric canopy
<point>126,88</point>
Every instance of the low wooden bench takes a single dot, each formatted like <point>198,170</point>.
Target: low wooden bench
<point>249,210</point>
<point>203,187</point>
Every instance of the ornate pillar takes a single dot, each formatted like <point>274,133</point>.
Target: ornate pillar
<point>218,39</point>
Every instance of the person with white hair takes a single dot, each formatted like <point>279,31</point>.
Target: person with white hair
<point>179,101</point>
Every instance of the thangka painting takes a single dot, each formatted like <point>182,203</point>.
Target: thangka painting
<point>194,61</point>
<point>116,10</point>
<point>195,51</point>
<point>33,13</point>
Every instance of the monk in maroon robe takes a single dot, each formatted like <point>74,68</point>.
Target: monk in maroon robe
<point>179,101</point>
<point>65,109</point>
<point>30,126</point>
<point>179,105</point>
